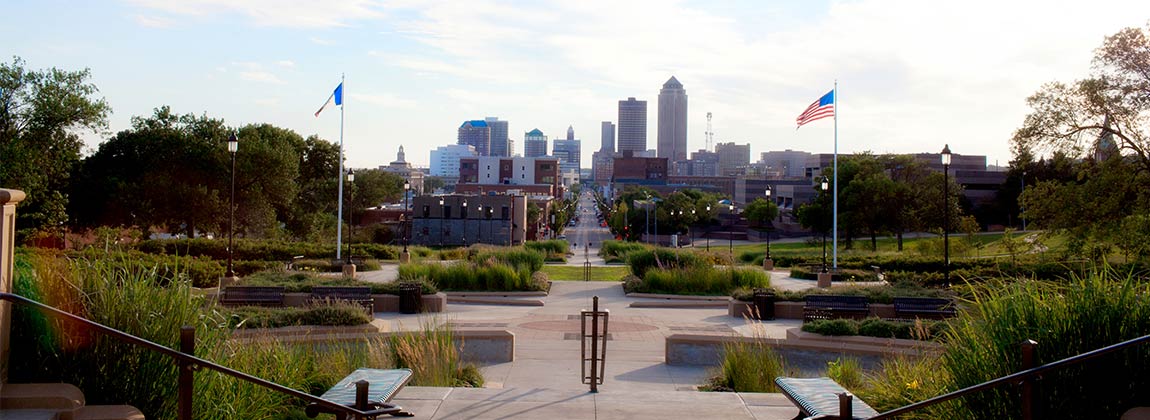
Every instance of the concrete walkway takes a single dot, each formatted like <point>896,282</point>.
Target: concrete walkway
<point>544,380</point>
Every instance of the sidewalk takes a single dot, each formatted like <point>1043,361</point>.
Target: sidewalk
<point>544,380</point>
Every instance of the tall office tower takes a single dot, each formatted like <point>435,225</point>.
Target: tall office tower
<point>672,140</point>
<point>534,144</point>
<point>445,159</point>
<point>632,125</point>
<point>608,137</point>
<point>500,143</point>
<point>733,158</point>
<point>568,151</point>
<point>478,134</point>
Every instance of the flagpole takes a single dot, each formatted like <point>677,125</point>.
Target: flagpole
<point>339,178</point>
<point>835,243</point>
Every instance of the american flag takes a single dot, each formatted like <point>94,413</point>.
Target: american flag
<point>822,108</point>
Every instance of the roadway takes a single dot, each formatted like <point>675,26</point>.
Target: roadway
<point>587,235</point>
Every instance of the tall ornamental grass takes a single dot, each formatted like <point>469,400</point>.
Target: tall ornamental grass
<point>664,258</point>
<point>1066,319</point>
<point>467,276</point>
<point>748,367</point>
<point>433,358</point>
<point>701,281</point>
<point>517,259</point>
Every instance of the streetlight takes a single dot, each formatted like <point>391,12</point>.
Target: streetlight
<point>464,210</point>
<point>768,257</point>
<point>731,233</point>
<point>350,213</point>
<point>946,212</point>
<point>693,219</point>
<point>708,230</point>
<point>407,223</point>
<point>824,185</point>
<point>680,220</point>
<point>233,146</point>
<point>441,214</point>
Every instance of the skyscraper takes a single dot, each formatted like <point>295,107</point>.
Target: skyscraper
<point>632,125</point>
<point>534,144</point>
<point>733,158</point>
<point>476,133</point>
<point>500,142</point>
<point>672,139</point>
<point>608,137</point>
<point>568,152</point>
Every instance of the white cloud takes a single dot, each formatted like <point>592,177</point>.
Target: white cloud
<point>320,41</point>
<point>153,21</point>
<point>287,64</point>
<point>385,100</point>
<point>281,13</point>
<point>256,72</point>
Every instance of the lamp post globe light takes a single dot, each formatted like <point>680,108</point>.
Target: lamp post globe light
<point>233,146</point>
<point>824,185</point>
<point>768,263</point>
<point>350,213</point>
<point>945,155</point>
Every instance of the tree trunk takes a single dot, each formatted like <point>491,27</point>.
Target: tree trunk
<point>899,236</point>
<point>873,241</point>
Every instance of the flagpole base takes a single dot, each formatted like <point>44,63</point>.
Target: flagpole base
<point>825,280</point>
<point>768,264</point>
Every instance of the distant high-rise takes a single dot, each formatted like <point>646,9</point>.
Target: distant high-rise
<point>534,144</point>
<point>733,158</point>
<point>500,143</point>
<point>672,140</point>
<point>445,159</point>
<point>608,137</point>
<point>568,151</point>
<point>476,133</point>
<point>632,125</point>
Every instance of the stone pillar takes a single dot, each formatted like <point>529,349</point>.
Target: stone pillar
<point>825,280</point>
<point>349,270</point>
<point>768,264</point>
<point>8,200</point>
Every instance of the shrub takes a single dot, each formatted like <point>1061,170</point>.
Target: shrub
<point>472,276</point>
<point>900,381</point>
<point>335,314</point>
<point>663,258</point>
<point>846,371</point>
<point>327,265</point>
<point>431,355</point>
<point>304,282</point>
<point>700,281</point>
<point>617,250</point>
<point>551,249</point>
<point>832,327</point>
<point>518,259</point>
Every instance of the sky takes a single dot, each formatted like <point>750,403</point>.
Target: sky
<point>912,75</point>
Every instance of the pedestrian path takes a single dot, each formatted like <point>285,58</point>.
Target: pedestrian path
<point>544,380</point>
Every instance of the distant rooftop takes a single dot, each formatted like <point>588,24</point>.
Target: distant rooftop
<point>474,123</point>
<point>673,83</point>
<point>535,132</point>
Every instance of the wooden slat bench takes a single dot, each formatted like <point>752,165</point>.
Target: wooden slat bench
<point>820,398</point>
<point>359,295</point>
<point>382,385</point>
<point>252,296</point>
<point>835,306</point>
<point>921,307</point>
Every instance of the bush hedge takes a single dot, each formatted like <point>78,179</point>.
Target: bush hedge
<point>698,281</point>
<point>875,327</point>
<point>469,276</point>
<point>517,258</point>
<point>304,282</point>
<point>335,314</point>
<point>664,258</point>
<point>841,275</point>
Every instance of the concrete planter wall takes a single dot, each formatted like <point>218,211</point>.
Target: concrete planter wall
<point>483,346</point>
<point>794,310</point>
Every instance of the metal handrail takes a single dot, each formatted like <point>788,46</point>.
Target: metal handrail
<point>1014,378</point>
<point>186,360</point>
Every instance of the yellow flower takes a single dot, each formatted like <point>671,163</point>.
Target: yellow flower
<point>912,385</point>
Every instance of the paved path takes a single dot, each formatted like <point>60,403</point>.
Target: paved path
<point>544,380</point>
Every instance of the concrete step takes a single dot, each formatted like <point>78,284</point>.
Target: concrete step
<point>29,415</point>
<point>104,412</point>
<point>53,396</point>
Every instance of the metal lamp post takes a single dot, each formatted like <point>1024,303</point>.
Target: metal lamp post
<point>767,262</point>
<point>407,223</point>
<point>824,185</point>
<point>708,221</point>
<point>350,213</point>
<point>464,214</point>
<point>693,219</point>
<point>946,212</point>
<point>233,146</point>
<point>441,214</point>
<point>731,232</point>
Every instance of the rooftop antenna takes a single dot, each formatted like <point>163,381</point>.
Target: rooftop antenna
<point>710,134</point>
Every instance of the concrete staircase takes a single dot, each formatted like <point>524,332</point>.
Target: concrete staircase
<point>56,401</point>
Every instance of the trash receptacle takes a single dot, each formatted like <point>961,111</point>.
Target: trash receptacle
<point>410,298</point>
<point>764,300</point>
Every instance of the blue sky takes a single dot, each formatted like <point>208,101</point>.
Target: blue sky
<point>913,75</point>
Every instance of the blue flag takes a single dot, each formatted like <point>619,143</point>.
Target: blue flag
<point>337,95</point>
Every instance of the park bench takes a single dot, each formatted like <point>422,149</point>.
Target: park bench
<point>252,296</point>
<point>355,259</point>
<point>922,307</point>
<point>359,295</point>
<point>822,398</point>
<point>835,306</point>
<point>290,264</point>
<point>379,387</point>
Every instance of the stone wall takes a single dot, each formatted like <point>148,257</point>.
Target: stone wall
<point>8,201</point>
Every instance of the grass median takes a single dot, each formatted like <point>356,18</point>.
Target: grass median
<point>574,272</point>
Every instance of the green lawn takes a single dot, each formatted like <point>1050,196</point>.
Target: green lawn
<point>568,272</point>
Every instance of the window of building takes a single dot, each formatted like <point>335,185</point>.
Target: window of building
<point>506,215</point>
<point>545,167</point>
<point>426,211</point>
<point>463,212</point>
<point>446,212</point>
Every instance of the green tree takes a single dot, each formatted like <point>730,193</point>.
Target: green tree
<point>433,183</point>
<point>761,212</point>
<point>312,216</point>
<point>42,114</point>
<point>371,188</point>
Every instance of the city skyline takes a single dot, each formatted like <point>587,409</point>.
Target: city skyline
<point>912,76</point>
